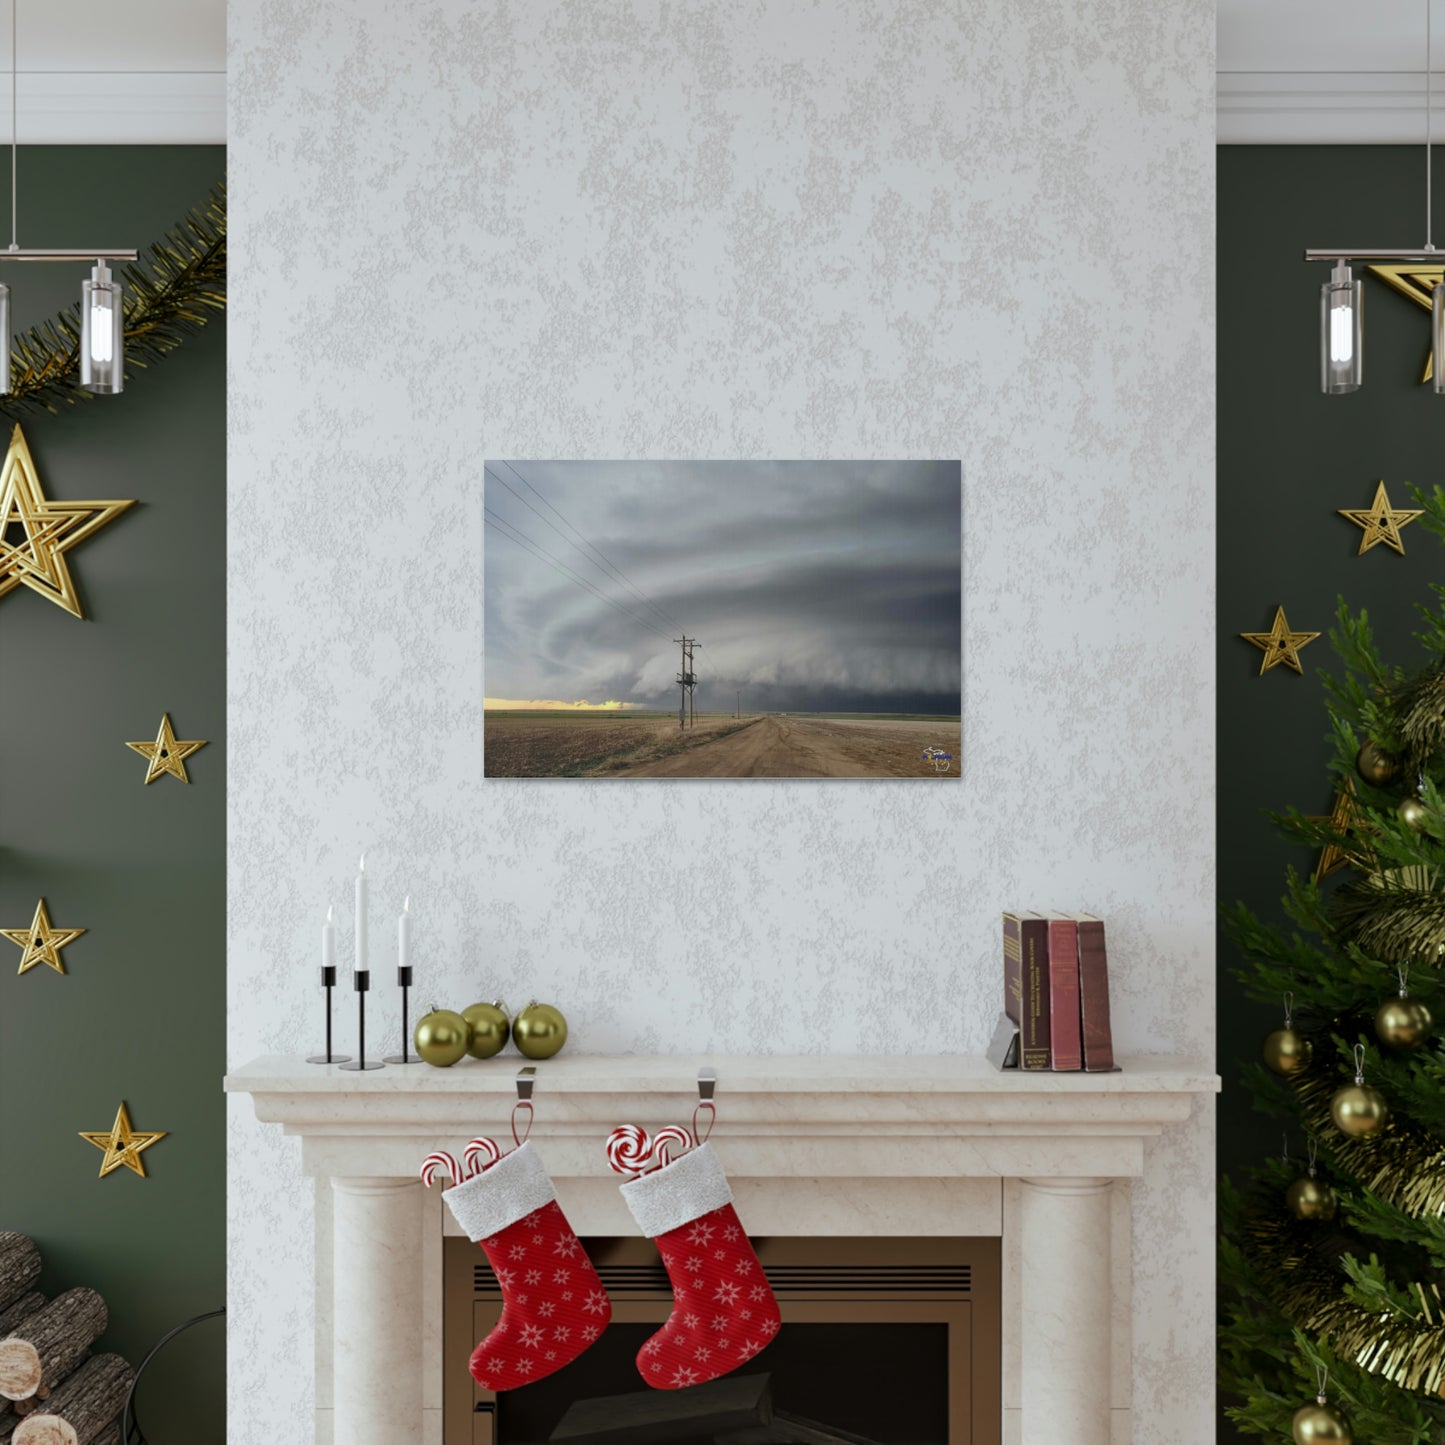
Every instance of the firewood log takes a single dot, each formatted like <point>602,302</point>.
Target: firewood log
<point>81,1406</point>
<point>22,1309</point>
<point>19,1266</point>
<point>48,1346</point>
<point>664,1416</point>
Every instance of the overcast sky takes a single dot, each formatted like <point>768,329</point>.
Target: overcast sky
<point>813,586</point>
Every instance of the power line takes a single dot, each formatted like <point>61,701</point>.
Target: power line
<point>641,596</point>
<point>515,534</point>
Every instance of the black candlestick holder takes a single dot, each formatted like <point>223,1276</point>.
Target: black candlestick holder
<point>328,982</point>
<point>362,979</point>
<point>403,980</point>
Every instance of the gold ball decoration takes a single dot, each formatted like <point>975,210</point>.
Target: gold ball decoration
<point>490,1028</point>
<point>1287,1051</point>
<point>441,1038</point>
<point>1403,1023</point>
<point>1359,1111</point>
<point>1376,766</point>
<point>1311,1198</point>
<point>539,1030</point>
<point>1414,814</point>
<point>1314,1424</point>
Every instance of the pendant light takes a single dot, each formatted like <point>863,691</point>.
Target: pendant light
<point>1342,299</point>
<point>102,310</point>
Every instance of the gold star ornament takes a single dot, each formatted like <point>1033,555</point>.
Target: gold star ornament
<point>1418,282</point>
<point>1381,522</point>
<point>1345,820</point>
<point>40,942</point>
<point>36,532</point>
<point>1280,644</point>
<point>122,1144</point>
<point>166,755</point>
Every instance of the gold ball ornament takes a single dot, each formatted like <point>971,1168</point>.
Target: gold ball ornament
<point>1403,1022</point>
<point>1314,1424</point>
<point>539,1030</point>
<point>1311,1198</point>
<point>1414,814</point>
<point>1376,766</point>
<point>441,1037</point>
<point>490,1028</point>
<point>1287,1051</point>
<point>1359,1111</point>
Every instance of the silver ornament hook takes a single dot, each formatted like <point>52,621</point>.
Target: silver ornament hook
<point>1403,970</point>
<point>1359,1063</point>
<point>1289,1009</point>
<point>1322,1375</point>
<point>1285,1146</point>
<point>1314,1154</point>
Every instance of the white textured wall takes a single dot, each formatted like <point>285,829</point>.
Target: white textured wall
<point>719,229</point>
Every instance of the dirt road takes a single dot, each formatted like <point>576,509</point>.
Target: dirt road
<point>811,747</point>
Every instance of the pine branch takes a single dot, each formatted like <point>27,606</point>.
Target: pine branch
<point>170,295</point>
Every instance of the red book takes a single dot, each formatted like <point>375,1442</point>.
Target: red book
<point>1026,984</point>
<point>1094,995</point>
<point>1064,1018</point>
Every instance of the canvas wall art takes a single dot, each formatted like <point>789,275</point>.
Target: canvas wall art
<point>713,619</point>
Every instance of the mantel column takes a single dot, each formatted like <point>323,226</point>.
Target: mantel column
<point>1066,1298</point>
<point>377,1311</point>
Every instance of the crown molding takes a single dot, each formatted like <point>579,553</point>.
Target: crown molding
<point>117,108</point>
<point>1324,108</point>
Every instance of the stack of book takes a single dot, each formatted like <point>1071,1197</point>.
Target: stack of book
<point>1056,994</point>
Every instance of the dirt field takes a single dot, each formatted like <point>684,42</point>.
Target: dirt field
<point>617,745</point>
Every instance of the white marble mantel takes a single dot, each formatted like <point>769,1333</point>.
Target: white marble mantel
<point>871,1144</point>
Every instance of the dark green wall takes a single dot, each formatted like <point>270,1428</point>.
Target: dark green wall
<point>1288,458</point>
<point>140,1015</point>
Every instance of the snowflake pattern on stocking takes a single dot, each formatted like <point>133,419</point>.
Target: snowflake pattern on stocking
<point>710,1331</point>
<point>541,1329</point>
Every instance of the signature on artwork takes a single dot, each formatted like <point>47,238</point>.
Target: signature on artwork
<point>942,761</point>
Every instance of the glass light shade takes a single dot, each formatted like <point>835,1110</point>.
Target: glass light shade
<point>4,338</point>
<point>102,333</point>
<point>1342,337</point>
<point>1437,336</point>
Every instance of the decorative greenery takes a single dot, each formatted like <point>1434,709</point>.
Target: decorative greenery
<point>170,293</point>
<point>1359,1294</point>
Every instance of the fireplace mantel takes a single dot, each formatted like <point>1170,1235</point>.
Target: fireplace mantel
<point>871,1144</point>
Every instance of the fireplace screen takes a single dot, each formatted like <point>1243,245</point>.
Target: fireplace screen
<point>884,1342</point>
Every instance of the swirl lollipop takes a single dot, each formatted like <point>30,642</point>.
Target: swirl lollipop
<point>628,1151</point>
<point>673,1139</point>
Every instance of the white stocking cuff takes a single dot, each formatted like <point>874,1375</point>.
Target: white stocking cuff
<point>685,1190</point>
<point>515,1186</point>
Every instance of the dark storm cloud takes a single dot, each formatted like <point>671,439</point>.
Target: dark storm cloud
<point>811,585</point>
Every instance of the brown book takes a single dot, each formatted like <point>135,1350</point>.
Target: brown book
<point>1026,984</point>
<point>1098,1036</point>
<point>1065,1044</point>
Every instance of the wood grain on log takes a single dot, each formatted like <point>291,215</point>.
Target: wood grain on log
<point>49,1344</point>
<point>19,1266</point>
<point>658,1417</point>
<point>81,1406</point>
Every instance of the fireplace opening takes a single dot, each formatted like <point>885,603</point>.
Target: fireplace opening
<point>884,1342</point>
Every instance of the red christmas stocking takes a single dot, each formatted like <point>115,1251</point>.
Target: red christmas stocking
<point>724,1311</point>
<point>553,1304</point>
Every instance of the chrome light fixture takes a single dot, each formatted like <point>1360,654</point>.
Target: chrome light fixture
<point>1342,297</point>
<point>102,309</point>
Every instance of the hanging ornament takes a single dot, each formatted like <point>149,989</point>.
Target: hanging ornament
<point>1321,1422</point>
<point>1375,765</point>
<point>1403,1022</point>
<point>1310,1197</point>
<point>1357,1109</point>
<point>1286,1050</point>
<point>1414,814</point>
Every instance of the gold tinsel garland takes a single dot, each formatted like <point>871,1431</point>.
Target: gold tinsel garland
<point>169,294</point>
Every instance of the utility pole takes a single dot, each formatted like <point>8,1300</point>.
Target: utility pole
<point>687,681</point>
<point>738,714</point>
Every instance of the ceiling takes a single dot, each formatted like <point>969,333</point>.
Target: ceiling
<point>146,72</point>
<point>1326,71</point>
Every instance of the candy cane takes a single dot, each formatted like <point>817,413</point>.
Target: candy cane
<point>663,1141</point>
<point>440,1160</point>
<point>475,1150</point>
<point>628,1151</point>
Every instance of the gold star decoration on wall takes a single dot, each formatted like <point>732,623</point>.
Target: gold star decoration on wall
<point>1381,522</point>
<point>36,532</point>
<point>41,943</point>
<point>1280,644</point>
<point>166,755</point>
<point>1343,821</point>
<point>122,1144</point>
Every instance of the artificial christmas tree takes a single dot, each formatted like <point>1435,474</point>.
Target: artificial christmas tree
<point>1353,1289</point>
